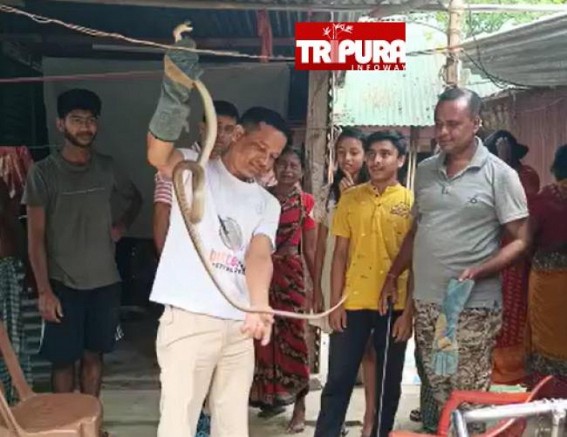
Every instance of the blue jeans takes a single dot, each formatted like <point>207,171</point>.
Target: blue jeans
<point>203,426</point>
<point>345,355</point>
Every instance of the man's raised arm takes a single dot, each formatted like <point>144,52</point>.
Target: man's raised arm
<point>181,69</point>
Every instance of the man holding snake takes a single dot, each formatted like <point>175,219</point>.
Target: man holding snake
<point>204,345</point>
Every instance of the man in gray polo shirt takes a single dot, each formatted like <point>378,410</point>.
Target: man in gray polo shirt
<point>466,198</point>
<point>71,244</point>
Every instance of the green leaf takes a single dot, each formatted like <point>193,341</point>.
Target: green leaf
<point>476,23</point>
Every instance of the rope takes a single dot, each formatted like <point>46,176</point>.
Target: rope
<point>40,19</point>
<point>98,33</point>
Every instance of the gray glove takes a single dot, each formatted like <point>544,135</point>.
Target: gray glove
<point>181,69</point>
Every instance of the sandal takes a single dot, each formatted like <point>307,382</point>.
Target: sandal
<point>268,413</point>
<point>415,415</point>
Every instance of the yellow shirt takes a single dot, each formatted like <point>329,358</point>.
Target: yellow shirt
<point>375,225</point>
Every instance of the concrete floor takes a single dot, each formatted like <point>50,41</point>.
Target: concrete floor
<point>131,392</point>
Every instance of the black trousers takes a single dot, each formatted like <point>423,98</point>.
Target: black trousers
<point>345,355</point>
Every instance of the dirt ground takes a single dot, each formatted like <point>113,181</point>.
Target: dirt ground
<point>131,392</point>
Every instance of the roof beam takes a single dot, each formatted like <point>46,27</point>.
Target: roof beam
<point>377,10</point>
<point>230,5</point>
<point>497,8</point>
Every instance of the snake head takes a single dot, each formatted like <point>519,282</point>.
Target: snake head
<point>181,29</point>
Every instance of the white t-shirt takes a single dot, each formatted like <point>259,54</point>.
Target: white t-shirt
<point>235,211</point>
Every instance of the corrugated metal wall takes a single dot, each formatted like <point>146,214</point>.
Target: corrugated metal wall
<point>537,119</point>
<point>22,114</point>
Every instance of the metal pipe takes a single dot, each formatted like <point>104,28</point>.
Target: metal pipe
<point>557,418</point>
<point>460,424</point>
<point>516,410</point>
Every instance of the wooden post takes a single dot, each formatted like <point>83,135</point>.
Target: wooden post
<point>315,153</point>
<point>316,130</point>
<point>317,123</point>
<point>317,127</point>
<point>414,150</point>
<point>452,73</point>
<point>265,35</point>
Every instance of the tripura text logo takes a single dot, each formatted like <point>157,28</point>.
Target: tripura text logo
<point>365,46</point>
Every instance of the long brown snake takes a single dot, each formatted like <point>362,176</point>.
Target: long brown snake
<point>193,214</point>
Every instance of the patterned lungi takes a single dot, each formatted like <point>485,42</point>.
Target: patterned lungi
<point>476,335</point>
<point>12,275</point>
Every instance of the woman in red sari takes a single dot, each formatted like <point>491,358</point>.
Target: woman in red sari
<point>509,352</point>
<point>281,375</point>
<point>547,324</point>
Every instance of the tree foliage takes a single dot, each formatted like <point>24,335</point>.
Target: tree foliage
<point>478,23</point>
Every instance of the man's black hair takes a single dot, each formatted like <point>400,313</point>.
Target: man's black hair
<point>363,176</point>
<point>474,102</point>
<point>559,166</point>
<point>78,99</point>
<point>226,109</point>
<point>252,118</point>
<point>395,137</point>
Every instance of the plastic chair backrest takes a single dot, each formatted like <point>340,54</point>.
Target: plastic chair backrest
<point>516,427</point>
<point>8,419</point>
<point>16,374</point>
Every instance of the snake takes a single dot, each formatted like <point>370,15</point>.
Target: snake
<point>192,212</point>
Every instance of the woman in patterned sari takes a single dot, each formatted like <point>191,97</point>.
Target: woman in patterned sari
<point>547,324</point>
<point>282,367</point>
<point>509,352</point>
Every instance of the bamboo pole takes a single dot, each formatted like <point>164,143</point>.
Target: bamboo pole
<point>452,70</point>
<point>412,156</point>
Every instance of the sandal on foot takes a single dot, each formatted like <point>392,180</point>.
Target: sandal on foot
<point>415,415</point>
<point>268,413</point>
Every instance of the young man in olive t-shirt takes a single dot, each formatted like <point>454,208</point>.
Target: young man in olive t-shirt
<point>72,237</point>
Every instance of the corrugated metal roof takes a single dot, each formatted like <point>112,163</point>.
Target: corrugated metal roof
<point>533,54</point>
<point>235,23</point>
<point>133,20</point>
<point>366,4</point>
<point>223,24</point>
<point>157,22</point>
<point>400,98</point>
<point>361,5</point>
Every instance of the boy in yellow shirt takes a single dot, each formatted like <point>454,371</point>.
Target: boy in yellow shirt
<point>369,226</point>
